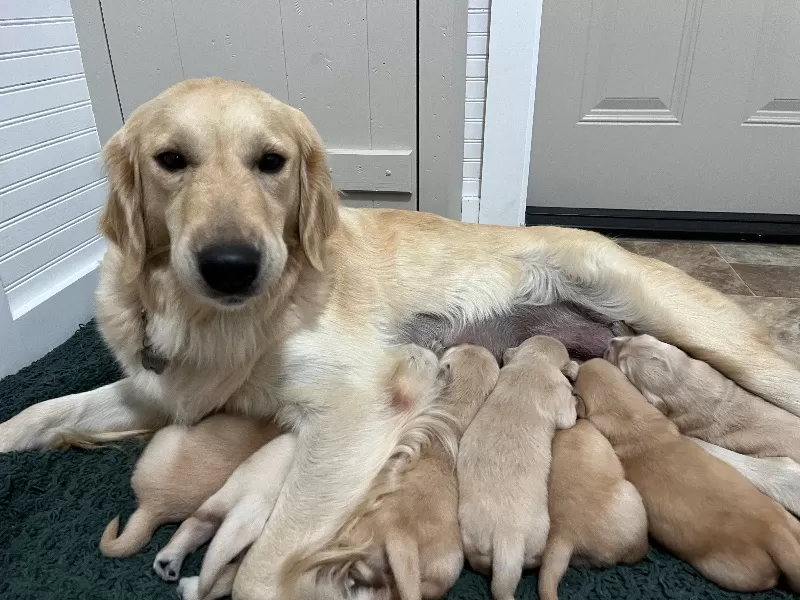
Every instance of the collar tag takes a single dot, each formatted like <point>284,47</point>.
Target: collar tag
<point>151,361</point>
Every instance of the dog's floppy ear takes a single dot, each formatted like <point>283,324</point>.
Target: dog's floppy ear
<point>319,202</point>
<point>122,221</point>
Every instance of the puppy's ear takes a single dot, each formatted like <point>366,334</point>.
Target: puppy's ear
<point>580,407</point>
<point>122,220</point>
<point>319,202</point>
<point>509,355</point>
<point>570,370</point>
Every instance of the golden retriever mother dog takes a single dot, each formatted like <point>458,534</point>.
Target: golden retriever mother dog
<point>235,282</point>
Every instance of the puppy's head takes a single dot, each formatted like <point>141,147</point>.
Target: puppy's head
<point>470,365</point>
<point>224,185</point>
<point>539,347</point>
<point>653,366</point>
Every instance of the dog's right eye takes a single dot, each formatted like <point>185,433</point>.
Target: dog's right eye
<point>171,161</point>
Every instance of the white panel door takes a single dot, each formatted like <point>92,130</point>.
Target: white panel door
<point>51,182</point>
<point>686,105</point>
<point>350,65</point>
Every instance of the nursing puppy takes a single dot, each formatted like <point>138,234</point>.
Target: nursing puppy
<point>413,535</point>
<point>702,402</point>
<point>597,517</point>
<point>697,506</point>
<point>180,468</point>
<point>504,462</point>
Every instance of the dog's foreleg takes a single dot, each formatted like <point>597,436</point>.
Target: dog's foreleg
<point>80,418</point>
<point>338,456</point>
<point>188,586</point>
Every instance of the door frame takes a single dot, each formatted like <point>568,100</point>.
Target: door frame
<point>441,88</point>
<point>510,97</point>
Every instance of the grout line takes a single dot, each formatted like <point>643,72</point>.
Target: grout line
<point>735,272</point>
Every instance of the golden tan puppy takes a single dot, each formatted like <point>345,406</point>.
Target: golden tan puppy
<point>416,525</point>
<point>504,462</point>
<point>702,402</point>
<point>697,506</point>
<point>597,517</point>
<point>180,469</point>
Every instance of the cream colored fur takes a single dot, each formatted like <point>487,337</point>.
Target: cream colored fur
<point>415,523</point>
<point>504,462</point>
<point>313,348</point>
<point>178,470</point>
<point>698,507</point>
<point>597,517</point>
<point>702,402</point>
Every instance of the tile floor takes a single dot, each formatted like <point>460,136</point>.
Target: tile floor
<point>763,279</point>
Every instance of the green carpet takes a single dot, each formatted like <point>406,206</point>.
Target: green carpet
<point>54,505</point>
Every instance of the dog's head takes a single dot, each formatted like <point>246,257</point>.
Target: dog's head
<point>222,182</point>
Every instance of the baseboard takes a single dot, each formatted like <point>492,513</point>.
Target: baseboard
<point>712,226</point>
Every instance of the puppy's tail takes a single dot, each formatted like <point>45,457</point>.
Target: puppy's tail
<point>403,554</point>
<point>138,530</point>
<point>555,561</point>
<point>785,551</point>
<point>238,531</point>
<point>508,556</point>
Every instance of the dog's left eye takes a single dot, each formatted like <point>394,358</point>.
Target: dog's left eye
<point>271,163</point>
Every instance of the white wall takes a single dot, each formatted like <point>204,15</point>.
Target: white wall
<point>51,182</point>
<point>477,57</point>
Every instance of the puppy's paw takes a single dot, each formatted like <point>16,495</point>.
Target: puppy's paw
<point>187,588</point>
<point>167,567</point>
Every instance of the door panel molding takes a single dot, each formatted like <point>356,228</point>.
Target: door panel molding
<point>611,73</point>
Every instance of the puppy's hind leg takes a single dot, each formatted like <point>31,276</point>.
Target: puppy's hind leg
<point>193,533</point>
<point>188,586</point>
<point>508,555</point>
<point>238,531</point>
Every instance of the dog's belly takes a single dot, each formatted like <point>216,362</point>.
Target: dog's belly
<point>585,334</point>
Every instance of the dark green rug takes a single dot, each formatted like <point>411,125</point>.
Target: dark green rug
<point>54,506</point>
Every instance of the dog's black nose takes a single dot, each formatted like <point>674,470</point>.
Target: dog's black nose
<point>229,268</point>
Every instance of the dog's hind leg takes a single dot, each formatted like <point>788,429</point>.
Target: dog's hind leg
<point>81,417</point>
<point>188,586</point>
<point>656,298</point>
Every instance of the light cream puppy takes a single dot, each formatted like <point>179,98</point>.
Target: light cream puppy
<point>178,470</point>
<point>504,462</point>
<point>597,517</point>
<point>698,507</point>
<point>702,402</point>
<point>416,524</point>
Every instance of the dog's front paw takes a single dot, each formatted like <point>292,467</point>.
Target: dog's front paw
<point>167,567</point>
<point>187,588</point>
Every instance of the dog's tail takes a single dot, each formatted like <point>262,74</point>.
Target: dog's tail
<point>241,527</point>
<point>138,530</point>
<point>785,551</point>
<point>403,554</point>
<point>555,561</point>
<point>508,555</point>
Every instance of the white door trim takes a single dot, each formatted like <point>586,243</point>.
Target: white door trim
<point>510,95</point>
